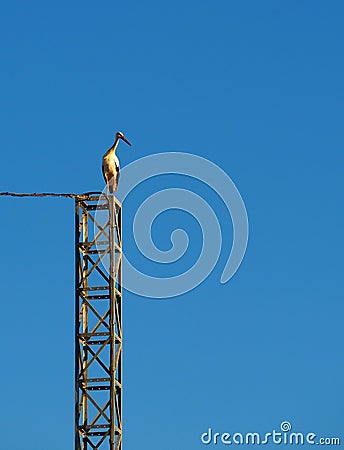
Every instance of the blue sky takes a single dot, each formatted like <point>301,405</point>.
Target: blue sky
<point>256,87</point>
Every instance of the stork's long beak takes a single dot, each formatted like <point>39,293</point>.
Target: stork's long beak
<point>126,140</point>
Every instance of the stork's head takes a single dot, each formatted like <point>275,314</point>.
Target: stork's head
<point>120,135</point>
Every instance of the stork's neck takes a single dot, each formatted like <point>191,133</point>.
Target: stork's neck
<point>115,145</point>
<point>112,149</point>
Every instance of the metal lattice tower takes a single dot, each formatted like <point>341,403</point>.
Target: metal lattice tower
<point>98,327</point>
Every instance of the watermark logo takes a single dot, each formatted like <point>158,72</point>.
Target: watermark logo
<point>174,198</point>
<point>282,436</point>
<point>285,426</point>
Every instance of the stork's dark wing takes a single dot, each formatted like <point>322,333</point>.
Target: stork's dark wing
<point>117,178</point>
<point>103,171</point>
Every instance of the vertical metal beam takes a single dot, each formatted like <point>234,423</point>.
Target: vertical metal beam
<point>84,325</point>
<point>98,323</point>
<point>77,349</point>
<point>112,319</point>
<point>120,323</point>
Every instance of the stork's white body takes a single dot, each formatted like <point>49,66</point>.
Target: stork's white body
<point>110,167</point>
<point>110,164</point>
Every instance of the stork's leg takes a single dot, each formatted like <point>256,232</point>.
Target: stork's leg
<point>108,185</point>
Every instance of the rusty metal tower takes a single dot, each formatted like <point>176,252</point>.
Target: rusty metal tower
<point>98,323</point>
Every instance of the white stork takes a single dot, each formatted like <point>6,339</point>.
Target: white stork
<point>110,166</point>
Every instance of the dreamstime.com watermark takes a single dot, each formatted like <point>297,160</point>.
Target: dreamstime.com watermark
<point>282,436</point>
